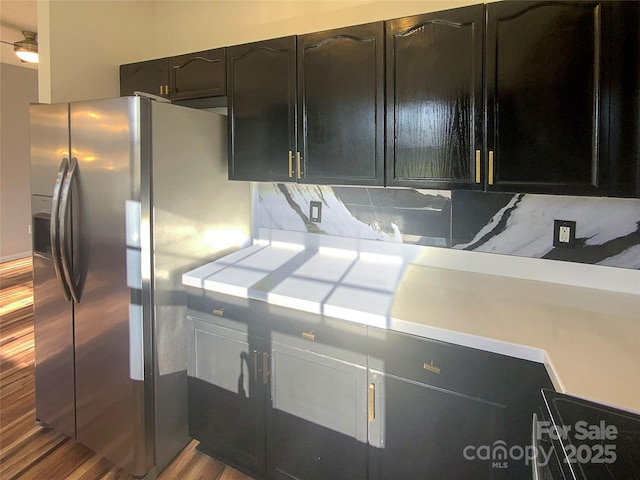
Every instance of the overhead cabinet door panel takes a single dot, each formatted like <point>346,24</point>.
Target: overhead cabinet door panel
<point>196,75</point>
<point>341,97</point>
<point>261,80</point>
<point>434,99</point>
<point>151,76</point>
<point>546,97</point>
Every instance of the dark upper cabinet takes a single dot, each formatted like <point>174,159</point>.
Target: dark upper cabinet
<point>151,76</point>
<point>261,98</point>
<point>183,77</point>
<point>624,107</point>
<point>434,99</point>
<point>547,96</point>
<point>197,75</point>
<point>341,105</point>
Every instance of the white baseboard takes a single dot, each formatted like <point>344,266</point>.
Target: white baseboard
<point>15,256</point>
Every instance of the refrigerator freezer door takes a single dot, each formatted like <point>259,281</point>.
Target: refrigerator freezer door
<point>53,314</point>
<point>53,335</point>
<point>107,138</point>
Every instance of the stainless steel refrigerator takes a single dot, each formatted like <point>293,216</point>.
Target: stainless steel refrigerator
<point>127,194</point>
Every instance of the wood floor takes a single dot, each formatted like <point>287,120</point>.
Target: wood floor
<point>28,451</point>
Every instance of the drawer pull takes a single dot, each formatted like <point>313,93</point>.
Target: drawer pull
<point>371,404</point>
<point>309,335</point>
<point>477,166</point>
<point>431,367</point>
<point>218,311</point>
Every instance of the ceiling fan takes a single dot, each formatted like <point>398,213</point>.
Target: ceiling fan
<point>26,49</point>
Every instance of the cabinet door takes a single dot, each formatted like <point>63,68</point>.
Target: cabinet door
<point>421,432</point>
<point>435,99</point>
<point>547,99</point>
<point>624,115</point>
<point>316,418</point>
<point>261,96</point>
<point>198,75</point>
<point>151,76</point>
<point>525,381</point>
<point>341,99</point>
<point>227,394</point>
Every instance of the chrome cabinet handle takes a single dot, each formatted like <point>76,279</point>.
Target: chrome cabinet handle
<point>54,226</point>
<point>67,268</point>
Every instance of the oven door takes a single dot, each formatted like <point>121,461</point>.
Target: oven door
<point>546,463</point>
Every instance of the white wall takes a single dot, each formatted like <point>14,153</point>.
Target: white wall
<point>82,43</point>
<point>18,88</point>
<point>188,26</point>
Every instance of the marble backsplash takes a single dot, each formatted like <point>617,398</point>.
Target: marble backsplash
<point>607,229</point>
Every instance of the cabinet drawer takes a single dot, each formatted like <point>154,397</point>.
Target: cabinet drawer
<point>464,370</point>
<point>225,310</point>
<point>326,336</point>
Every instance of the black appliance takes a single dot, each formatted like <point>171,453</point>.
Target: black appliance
<point>576,439</point>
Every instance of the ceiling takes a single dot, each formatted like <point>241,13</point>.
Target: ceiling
<point>15,16</point>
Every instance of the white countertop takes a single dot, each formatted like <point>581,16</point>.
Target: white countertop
<point>589,339</point>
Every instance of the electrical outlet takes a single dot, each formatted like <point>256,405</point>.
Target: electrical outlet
<point>564,233</point>
<point>315,212</point>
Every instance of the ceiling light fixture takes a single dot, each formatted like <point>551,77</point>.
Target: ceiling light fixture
<point>26,49</point>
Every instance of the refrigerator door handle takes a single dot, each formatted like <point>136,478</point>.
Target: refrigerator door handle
<point>67,268</point>
<point>54,227</point>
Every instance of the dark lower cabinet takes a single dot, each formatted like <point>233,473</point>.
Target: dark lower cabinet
<point>314,398</point>
<point>227,394</point>
<point>524,398</point>
<point>443,411</point>
<point>423,432</point>
<point>316,415</point>
<point>288,404</point>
